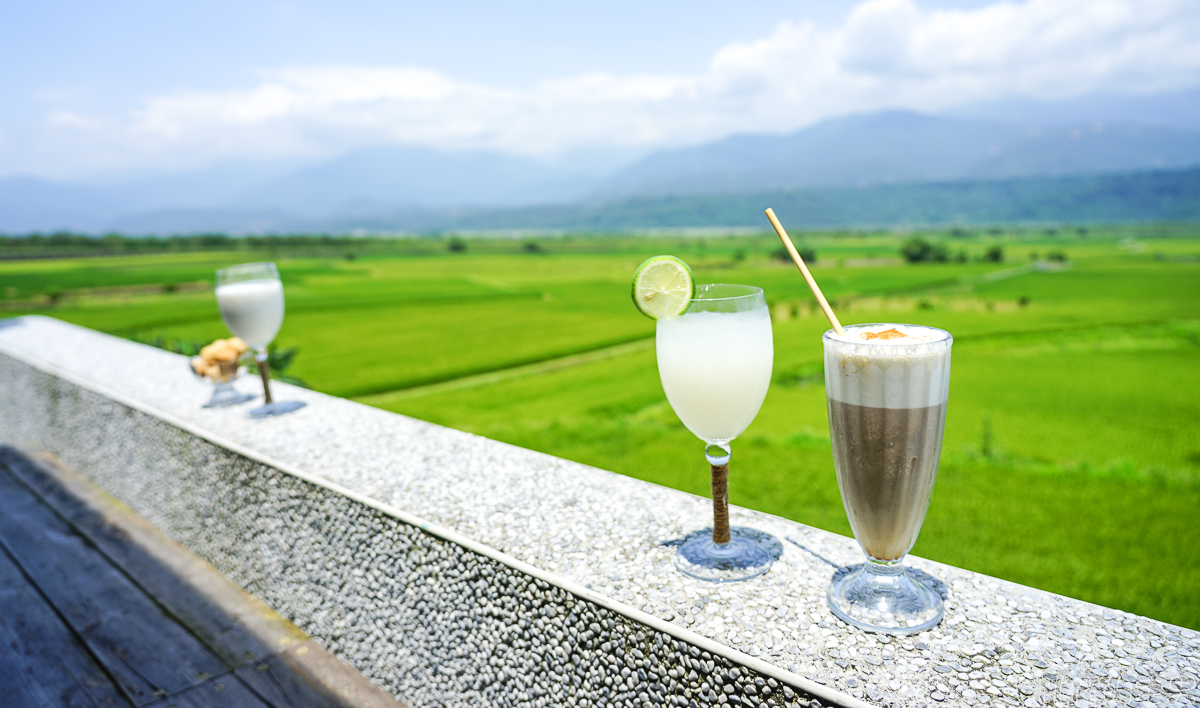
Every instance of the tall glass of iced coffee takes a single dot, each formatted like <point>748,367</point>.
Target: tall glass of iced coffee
<point>886,386</point>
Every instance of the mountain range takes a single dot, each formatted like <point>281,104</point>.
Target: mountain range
<point>399,187</point>
<point>896,147</point>
<point>1155,195</point>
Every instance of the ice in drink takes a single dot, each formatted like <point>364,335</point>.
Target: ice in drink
<point>715,368</point>
<point>252,309</point>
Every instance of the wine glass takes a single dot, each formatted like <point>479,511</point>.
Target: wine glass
<point>887,409</point>
<point>250,296</point>
<point>715,365</point>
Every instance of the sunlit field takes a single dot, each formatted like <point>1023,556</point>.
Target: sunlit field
<point>1072,452</point>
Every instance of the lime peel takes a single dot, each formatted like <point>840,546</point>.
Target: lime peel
<point>663,287</point>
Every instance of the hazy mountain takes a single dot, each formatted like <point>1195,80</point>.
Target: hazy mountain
<point>893,146</point>
<point>900,146</point>
<point>363,182</point>
<point>375,179</point>
<point>1093,148</point>
<point>204,188</point>
<point>1167,195</point>
<point>1155,195</point>
<point>32,204</point>
<point>369,187</point>
<point>211,220</point>
<point>1177,109</point>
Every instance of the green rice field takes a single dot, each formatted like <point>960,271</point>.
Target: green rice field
<point>1072,452</point>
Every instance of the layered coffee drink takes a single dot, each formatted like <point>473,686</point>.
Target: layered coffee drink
<point>886,387</point>
<point>886,469</point>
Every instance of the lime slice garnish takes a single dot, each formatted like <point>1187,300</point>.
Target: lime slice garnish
<point>662,287</point>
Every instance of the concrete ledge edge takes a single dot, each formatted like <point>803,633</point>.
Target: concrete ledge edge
<point>767,669</point>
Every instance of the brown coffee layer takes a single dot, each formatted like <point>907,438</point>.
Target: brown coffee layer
<point>886,461</point>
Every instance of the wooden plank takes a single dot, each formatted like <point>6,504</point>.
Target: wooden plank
<point>227,691</point>
<point>145,651</point>
<point>42,663</point>
<point>237,626</point>
<point>241,629</point>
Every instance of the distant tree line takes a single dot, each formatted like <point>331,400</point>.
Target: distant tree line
<point>938,247</point>
<point>921,250</point>
<point>806,253</point>
<point>65,244</point>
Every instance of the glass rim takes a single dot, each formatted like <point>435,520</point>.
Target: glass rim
<point>831,336</point>
<point>751,291</point>
<point>247,266</point>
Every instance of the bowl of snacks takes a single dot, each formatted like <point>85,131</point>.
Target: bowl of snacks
<point>220,363</point>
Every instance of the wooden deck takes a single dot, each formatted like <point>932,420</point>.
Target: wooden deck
<point>99,608</point>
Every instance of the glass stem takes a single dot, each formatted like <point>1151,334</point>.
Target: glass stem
<point>718,455</point>
<point>264,370</point>
<point>883,575</point>
<point>720,495</point>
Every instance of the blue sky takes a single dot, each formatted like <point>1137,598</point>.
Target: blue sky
<point>104,88</point>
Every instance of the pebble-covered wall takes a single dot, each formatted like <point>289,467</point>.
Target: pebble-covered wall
<point>292,507</point>
<point>433,622</point>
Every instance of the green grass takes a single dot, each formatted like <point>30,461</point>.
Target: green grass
<point>1072,450</point>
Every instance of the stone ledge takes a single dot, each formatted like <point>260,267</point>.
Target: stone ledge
<point>593,535</point>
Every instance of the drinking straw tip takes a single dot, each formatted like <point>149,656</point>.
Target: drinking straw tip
<point>812,284</point>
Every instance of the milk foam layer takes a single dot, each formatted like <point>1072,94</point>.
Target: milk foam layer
<point>913,334</point>
<point>906,372</point>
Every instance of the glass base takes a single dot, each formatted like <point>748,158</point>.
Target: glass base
<point>890,599</point>
<point>277,408</point>
<point>748,554</point>
<point>226,395</point>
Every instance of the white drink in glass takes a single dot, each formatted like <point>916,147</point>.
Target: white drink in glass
<point>252,309</point>
<point>714,362</point>
<point>250,298</point>
<point>715,368</point>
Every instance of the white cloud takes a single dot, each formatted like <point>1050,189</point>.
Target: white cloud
<point>72,120</point>
<point>891,53</point>
<point>886,54</point>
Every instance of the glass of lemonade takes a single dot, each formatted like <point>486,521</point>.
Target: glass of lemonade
<point>251,300</point>
<point>715,365</point>
<point>886,387</point>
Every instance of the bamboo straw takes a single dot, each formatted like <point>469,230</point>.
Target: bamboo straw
<point>812,284</point>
